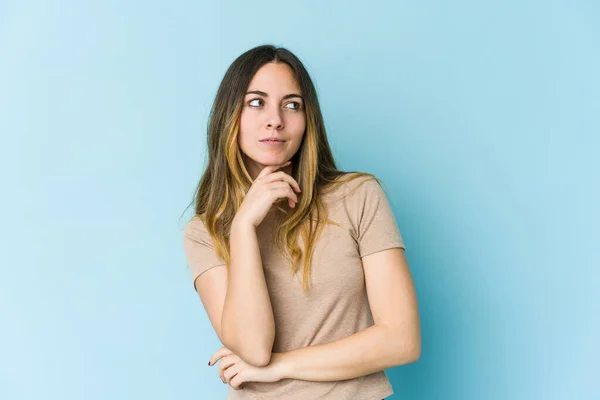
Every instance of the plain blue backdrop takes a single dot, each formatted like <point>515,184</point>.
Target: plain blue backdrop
<point>482,119</point>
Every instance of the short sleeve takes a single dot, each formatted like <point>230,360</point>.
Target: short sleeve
<point>198,248</point>
<point>377,227</point>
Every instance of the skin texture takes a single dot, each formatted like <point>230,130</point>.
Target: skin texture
<point>271,115</point>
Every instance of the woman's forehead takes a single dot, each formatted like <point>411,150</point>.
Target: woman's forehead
<point>274,79</point>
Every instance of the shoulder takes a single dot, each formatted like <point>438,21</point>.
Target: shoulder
<point>354,187</point>
<point>356,196</point>
<point>195,229</point>
<point>364,185</point>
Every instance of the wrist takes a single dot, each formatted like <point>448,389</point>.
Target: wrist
<point>239,224</point>
<point>280,364</point>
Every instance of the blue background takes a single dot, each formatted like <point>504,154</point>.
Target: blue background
<point>482,118</point>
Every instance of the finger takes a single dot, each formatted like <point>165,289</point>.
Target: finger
<point>278,185</point>
<point>231,372</point>
<point>226,363</point>
<point>282,176</point>
<point>281,193</point>
<point>271,168</point>
<point>222,352</point>
<point>237,381</point>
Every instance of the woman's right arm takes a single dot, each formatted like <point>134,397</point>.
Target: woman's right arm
<point>247,323</point>
<point>238,302</point>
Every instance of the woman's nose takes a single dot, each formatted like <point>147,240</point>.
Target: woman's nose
<point>274,119</point>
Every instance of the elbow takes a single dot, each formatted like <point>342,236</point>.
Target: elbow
<point>258,358</point>
<point>407,350</point>
<point>258,352</point>
<point>413,351</point>
<point>254,348</point>
<point>413,354</point>
<point>407,354</point>
<point>252,354</point>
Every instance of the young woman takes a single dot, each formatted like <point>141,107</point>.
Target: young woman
<point>300,266</point>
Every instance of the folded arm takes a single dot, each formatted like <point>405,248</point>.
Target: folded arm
<point>393,340</point>
<point>238,303</point>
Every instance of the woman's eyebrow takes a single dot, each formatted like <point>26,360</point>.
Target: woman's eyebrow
<point>287,96</point>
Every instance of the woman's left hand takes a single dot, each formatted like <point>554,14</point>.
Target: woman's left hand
<point>235,371</point>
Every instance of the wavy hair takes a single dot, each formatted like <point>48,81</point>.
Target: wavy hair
<point>226,181</point>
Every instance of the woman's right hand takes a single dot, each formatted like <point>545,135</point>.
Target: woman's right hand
<point>266,189</point>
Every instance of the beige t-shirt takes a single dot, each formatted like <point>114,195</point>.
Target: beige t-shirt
<point>336,305</point>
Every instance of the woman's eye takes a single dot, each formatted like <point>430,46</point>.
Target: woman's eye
<point>259,103</point>
<point>297,105</point>
<point>253,101</point>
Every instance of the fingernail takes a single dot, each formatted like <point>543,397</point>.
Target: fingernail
<point>209,363</point>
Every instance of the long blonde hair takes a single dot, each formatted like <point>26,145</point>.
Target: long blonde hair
<point>226,180</point>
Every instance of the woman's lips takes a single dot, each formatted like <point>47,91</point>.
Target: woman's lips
<point>272,142</point>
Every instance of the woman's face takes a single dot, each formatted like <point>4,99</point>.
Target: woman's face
<point>273,109</point>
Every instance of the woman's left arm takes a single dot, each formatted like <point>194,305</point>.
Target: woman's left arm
<point>394,339</point>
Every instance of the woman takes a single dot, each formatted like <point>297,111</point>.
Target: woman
<point>300,266</point>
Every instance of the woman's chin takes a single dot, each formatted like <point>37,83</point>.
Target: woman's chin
<point>272,161</point>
